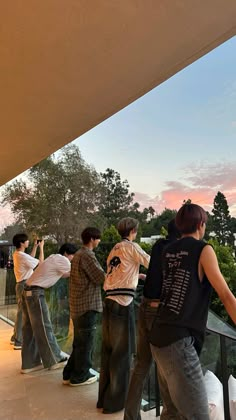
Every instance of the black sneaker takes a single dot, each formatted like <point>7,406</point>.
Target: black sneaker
<point>91,379</point>
<point>17,346</point>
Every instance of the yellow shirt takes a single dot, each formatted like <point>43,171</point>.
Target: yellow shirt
<point>123,268</point>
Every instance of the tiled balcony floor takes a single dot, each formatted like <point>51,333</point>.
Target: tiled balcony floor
<point>41,395</point>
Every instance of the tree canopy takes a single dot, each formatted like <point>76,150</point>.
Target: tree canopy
<point>221,220</point>
<point>58,198</point>
<point>116,200</point>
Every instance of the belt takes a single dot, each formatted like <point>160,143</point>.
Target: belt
<point>153,303</point>
<point>33,287</point>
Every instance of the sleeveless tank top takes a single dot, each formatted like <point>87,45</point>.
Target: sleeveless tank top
<point>184,298</point>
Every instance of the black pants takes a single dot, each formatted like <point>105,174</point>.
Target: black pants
<point>80,361</point>
<point>117,349</point>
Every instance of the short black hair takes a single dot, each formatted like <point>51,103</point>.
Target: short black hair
<point>19,239</point>
<point>70,249</point>
<point>90,233</point>
<point>173,232</point>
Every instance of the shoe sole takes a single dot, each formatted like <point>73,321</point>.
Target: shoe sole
<point>36,369</point>
<point>57,366</point>
<point>66,382</point>
<point>88,382</point>
<point>17,348</point>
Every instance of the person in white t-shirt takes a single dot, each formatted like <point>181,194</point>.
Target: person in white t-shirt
<point>40,348</point>
<point>24,265</point>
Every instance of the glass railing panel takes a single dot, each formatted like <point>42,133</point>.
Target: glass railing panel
<point>210,355</point>
<point>231,356</point>
<point>218,325</point>
<point>58,303</point>
<point>7,294</point>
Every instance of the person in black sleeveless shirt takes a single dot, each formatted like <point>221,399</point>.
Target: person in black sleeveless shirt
<point>146,315</point>
<point>190,270</point>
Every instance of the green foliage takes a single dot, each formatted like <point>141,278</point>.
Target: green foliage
<point>109,238</point>
<point>11,230</point>
<point>163,232</point>
<point>221,220</point>
<point>58,200</point>
<point>111,234</point>
<point>116,200</point>
<point>146,247</point>
<point>226,260</point>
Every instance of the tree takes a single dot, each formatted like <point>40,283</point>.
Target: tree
<point>59,197</point>
<point>226,260</point>
<point>116,202</point>
<point>163,219</point>
<point>11,230</point>
<point>221,220</point>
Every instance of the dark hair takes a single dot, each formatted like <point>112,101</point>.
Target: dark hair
<point>189,217</point>
<point>90,233</point>
<point>19,239</point>
<point>70,249</point>
<point>125,226</point>
<point>173,232</point>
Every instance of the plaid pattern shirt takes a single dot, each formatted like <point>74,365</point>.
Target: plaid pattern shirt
<point>85,283</point>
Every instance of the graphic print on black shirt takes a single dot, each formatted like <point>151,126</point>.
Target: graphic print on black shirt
<point>174,292</point>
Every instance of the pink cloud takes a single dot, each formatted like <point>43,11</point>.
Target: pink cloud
<point>200,183</point>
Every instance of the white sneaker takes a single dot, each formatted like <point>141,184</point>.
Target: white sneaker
<point>33,369</point>
<point>59,365</point>
<point>90,380</point>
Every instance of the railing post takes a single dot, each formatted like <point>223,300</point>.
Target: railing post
<point>225,376</point>
<point>157,393</point>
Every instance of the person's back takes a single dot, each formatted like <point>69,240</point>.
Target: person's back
<point>190,270</point>
<point>181,285</point>
<point>146,315</point>
<point>52,268</point>
<point>123,265</point>
<point>85,300</point>
<point>118,316</point>
<point>40,348</point>
<point>85,283</point>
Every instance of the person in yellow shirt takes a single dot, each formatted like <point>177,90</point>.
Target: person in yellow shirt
<point>118,316</point>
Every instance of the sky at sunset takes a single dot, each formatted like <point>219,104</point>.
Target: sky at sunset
<point>179,140</point>
<point>176,142</point>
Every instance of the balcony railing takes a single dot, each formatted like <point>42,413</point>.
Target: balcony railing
<point>218,354</point>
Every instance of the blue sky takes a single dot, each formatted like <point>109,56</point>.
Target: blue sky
<point>177,141</point>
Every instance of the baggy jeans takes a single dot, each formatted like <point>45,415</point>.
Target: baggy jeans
<point>117,348</point>
<point>143,361</point>
<point>39,342</point>
<point>18,322</point>
<point>181,381</point>
<point>80,361</point>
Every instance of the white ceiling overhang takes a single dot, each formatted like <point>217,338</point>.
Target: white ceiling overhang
<point>66,66</point>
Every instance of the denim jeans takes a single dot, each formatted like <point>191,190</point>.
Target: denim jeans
<point>39,342</point>
<point>181,381</point>
<point>80,361</point>
<point>17,335</point>
<point>143,361</point>
<point>117,348</point>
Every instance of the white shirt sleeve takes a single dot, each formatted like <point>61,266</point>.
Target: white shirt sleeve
<point>139,255</point>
